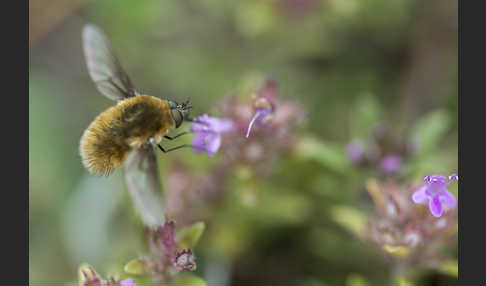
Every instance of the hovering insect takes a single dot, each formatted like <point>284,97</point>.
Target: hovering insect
<point>136,121</point>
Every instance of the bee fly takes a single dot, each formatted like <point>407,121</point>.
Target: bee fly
<point>137,120</point>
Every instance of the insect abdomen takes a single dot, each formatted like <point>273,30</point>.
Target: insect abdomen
<point>111,136</point>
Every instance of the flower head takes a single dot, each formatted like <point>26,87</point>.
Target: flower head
<point>168,255</point>
<point>390,164</point>
<point>271,133</point>
<point>407,235</point>
<point>435,193</point>
<point>183,260</point>
<point>208,133</point>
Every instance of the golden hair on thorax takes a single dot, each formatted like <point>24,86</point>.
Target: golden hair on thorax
<point>136,119</point>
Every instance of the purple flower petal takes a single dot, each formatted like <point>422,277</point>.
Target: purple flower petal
<point>435,190</point>
<point>198,142</point>
<point>448,198</point>
<point>453,177</point>
<point>420,196</point>
<point>204,123</point>
<point>435,206</point>
<point>391,163</point>
<point>127,282</point>
<point>209,142</point>
<point>213,142</point>
<point>264,112</point>
<point>208,130</point>
<point>436,181</point>
<point>258,117</point>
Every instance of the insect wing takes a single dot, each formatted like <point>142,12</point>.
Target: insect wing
<point>143,183</point>
<point>104,67</point>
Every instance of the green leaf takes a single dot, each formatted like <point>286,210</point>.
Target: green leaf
<point>396,250</point>
<point>188,236</point>
<point>430,129</point>
<point>328,154</point>
<point>136,267</point>
<point>188,280</point>
<point>254,18</point>
<point>449,267</point>
<point>401,281</point>
<point>281,207</point>
<point>351,219</point>
<point>356,280</point>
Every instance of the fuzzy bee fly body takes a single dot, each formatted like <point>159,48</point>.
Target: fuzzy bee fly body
<point>136,120</point>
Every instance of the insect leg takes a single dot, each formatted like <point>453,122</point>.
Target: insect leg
<point>162,149</point>
<point>175,148</point>
<point>180,134</point>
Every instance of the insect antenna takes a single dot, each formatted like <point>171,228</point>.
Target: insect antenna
<point>186,105</point>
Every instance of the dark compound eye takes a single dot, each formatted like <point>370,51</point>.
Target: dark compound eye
<point>178,118</point>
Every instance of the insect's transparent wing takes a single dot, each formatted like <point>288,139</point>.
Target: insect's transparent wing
<point>104,67</point>
<point>143,183</point>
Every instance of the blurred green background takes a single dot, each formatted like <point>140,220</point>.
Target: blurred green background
<point>343,60</point>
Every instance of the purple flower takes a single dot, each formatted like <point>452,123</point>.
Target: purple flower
<point>183,260</point>
<point>434,191</point>
<point>260,115</point>
<point>391,163</point>
<point>354,151</point>
<point>127,282</point>
<point>208,133</point>
<point>263,104</point>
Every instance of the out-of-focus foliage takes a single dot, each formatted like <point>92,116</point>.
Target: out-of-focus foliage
<point>350,64</point>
